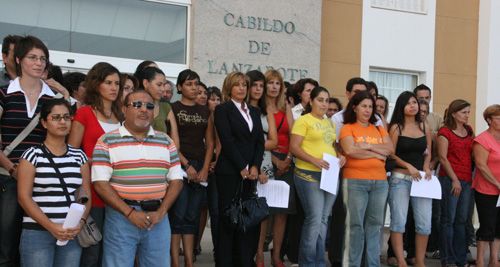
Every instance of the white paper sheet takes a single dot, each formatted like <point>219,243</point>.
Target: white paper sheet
<point>330,178</point>
<point>73,217</point>
<point>184,174</point>
<point>498,201</point>
<point>426,188</point>
<point>276,193</point>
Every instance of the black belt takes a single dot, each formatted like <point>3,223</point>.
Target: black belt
<point>146,205</point>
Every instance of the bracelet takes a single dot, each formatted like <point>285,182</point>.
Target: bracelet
<point>84,220</point>
<point>288,157</point>
<point>12,169</point>
<point>130,212</point>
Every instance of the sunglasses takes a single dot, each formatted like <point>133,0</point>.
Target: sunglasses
<point>139,104</point>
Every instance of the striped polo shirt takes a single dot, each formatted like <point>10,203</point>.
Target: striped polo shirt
<point>47,187</point>
<point>136,170</point>
<point>16,116</point>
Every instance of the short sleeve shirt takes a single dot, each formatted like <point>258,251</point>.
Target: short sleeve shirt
<point>459,154</point>
<point>319,137</point>
<point>367,169</point>
<point>479,183</point>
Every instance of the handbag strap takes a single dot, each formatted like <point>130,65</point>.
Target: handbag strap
<point>26,131</point>
<point>58,172</point>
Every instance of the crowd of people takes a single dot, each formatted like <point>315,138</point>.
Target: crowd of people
<point>156,169</point>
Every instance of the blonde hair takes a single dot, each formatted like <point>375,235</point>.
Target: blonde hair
<point>231,80</point>
<point>493,110</point>
<point>276,75</point>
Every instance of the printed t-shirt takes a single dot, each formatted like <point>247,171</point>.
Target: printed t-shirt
<point>319,136</point>
<point>368,169</point>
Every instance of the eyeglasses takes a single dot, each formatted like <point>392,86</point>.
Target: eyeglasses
<point>34,58</point>
<point>139,104</point>
<point>59,117</point>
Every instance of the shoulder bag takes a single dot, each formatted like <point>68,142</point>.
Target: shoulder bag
<point>89,234</point>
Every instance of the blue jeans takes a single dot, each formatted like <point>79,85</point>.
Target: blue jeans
<point>399,199</point>
<point>454,211</point>
<point>317,206</point>
<point>123,240</point>
<point>92,256</point>
<point>38,249</point>
<point>365,202</point>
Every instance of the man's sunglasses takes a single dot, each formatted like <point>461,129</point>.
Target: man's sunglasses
<point>139,104</point>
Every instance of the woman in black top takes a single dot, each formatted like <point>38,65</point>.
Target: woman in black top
<point>242,138</point>
<point>412,141</point>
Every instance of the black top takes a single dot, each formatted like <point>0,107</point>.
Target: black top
<point>412,150</point>
<point>192,122</point>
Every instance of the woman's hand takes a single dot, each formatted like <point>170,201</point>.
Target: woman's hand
<point>202,175</point>
<point>414,173</point>
<point>59,233</point>
<point>263,178</point>
<point>254,173</point>
<point>282,166</point>
<point>428,174</point>
<point>191,173</point>
<point>342,161</point>
<point>456,187</point>
<point>212,166</point>
<point>244,173</point>
<point>322,164</point>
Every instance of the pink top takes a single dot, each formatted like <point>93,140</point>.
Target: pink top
<point>479,183</point>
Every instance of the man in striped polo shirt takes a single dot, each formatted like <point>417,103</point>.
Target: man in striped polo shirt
<point>137,173</point>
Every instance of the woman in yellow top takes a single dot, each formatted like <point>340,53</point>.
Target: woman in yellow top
<point>312,135</point>
<point>365,186</point>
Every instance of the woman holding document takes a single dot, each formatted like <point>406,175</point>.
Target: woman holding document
<point>47,173</point>
<point>312,136</point>
<point>412,140</point>
<point>364,188</point>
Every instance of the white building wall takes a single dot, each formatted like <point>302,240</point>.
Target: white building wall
<point>488,59</point>
<point>399,40</point>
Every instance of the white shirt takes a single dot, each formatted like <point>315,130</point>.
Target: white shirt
<point>338,120</point>
<point>15,86</point>
<point>245,114</point>
<point>297,111</point>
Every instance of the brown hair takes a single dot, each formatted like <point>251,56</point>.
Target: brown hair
<point>455,106</point>
<point>96,75</point>
<point>231,80</point>
<point>24,46</point>
<point>493,110</point>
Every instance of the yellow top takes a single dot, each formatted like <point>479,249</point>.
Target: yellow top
<point>319,137</point>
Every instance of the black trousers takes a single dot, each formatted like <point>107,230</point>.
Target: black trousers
<point>10,222</point>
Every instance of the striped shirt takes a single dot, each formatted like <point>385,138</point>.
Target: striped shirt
<point>47,188</point>
<point>16,117</point>
<point>136,170</point>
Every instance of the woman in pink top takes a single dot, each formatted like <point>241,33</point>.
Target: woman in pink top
<point>101,114</point>
<point>486,182</point>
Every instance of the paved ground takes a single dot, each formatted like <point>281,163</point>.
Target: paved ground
<point>205,259</point>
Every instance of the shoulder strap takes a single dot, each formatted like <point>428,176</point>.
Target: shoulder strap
<point>281,123</point>
<point>26,131</point>
<point>59,175</point>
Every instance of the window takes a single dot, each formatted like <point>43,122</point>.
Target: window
<point>114,28</point>
<point>415,6</point>
<point>392,83</point>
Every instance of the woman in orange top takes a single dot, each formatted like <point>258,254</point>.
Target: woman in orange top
<point>365,187</point>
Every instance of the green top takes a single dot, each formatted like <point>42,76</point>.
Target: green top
<point>160,121</point>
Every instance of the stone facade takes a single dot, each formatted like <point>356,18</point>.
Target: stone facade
<point>281,34</point>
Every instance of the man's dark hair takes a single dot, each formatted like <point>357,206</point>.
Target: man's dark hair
<point>356,80</point>
<point>421,87</point>
<point>7,41</point>
<point>72,81</point>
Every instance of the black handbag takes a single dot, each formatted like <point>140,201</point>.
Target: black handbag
<point>245,213</point>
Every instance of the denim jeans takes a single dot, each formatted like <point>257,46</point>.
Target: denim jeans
<point>123,240</point>
<point>454,211</point>
<point>317,205</point>
<point>365,202</point>
<point>185,212</point>
<point>399,199</point>
<point>38,249</point>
